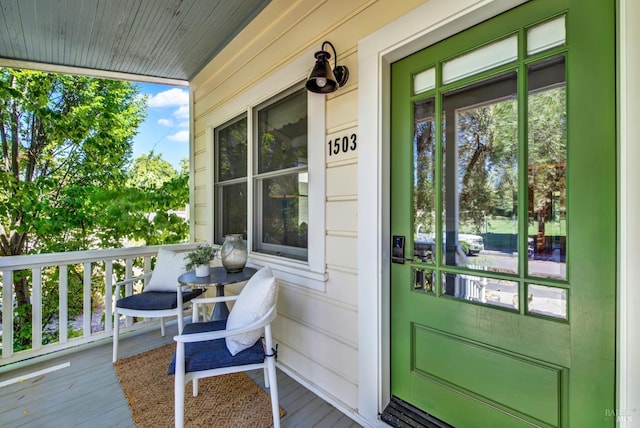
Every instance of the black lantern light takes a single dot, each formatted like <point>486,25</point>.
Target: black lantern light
<point>322,78</point>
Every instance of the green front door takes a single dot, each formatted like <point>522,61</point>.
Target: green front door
<point>503,221</point>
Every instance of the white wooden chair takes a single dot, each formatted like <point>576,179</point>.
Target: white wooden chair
<point>161,297</point>
<point>243,342</point>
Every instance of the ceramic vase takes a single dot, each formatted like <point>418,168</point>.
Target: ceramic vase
<point>202,270</point>
<point>233,253</point>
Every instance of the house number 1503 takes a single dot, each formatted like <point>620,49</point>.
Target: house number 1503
<point>343,144</point>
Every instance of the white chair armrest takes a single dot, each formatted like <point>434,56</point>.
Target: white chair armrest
<point>201,300</point>
<point>134,279</point>
<point>220,334</point>
<point>119,284</point>
<point>204,300</point>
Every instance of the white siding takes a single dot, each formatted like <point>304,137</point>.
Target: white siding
<point>317,329</point>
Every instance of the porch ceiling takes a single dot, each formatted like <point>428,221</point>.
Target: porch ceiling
<point>165,39</point>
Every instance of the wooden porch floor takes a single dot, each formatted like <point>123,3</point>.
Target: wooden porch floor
<point>87,392</point>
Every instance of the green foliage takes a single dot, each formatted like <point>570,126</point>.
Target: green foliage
<point>66,145</point>
<point>202,255</point>
<point>488,162</point>
<point>150,171</point>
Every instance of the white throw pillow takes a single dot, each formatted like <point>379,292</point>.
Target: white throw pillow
<point>254,301</point>
<point>169,266</point>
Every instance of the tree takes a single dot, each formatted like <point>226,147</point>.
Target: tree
<point>63,139</point>
<point>488,163</point>
<point>425,175</point>
<point>66,143</point>
<point>150,171</point>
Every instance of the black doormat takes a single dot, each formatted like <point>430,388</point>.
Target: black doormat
<point>400,414</point>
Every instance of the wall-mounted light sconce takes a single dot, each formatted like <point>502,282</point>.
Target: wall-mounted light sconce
<point>322,78</point>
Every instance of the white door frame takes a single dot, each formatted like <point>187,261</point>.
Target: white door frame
<point>628,319</point>
<point>424,26</point>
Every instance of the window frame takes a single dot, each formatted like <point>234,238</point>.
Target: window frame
<point>258,178</point>
<point>219,185</point>
<point>312,272</point>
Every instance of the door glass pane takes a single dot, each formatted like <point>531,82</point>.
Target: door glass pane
<point>481,59</point>
<point>424,81</point>
<point>547,154</point>
<point>546,36</point>
<point>424,280</point>
<point>282,133</point>
<point>549,301</point>
<point>489,291</point>
<point>424,180</point>
<point>481,175</point>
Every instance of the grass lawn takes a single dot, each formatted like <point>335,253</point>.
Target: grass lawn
<point>504,225</point>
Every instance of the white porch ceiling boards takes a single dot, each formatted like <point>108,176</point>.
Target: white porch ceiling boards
<point>164,39</point>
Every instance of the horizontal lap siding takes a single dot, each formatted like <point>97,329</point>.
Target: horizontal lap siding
<point>317,331</point>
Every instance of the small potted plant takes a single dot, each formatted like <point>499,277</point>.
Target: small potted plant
<point>199,259</point>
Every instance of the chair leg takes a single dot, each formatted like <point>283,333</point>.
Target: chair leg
<point>271,370</point>
<point>194,382</point>
<point>194,313</point>
<point>265,373</point>
<point>273,390</point>
<point>180,322</point>
<point>162,326</point>
<point>179,387</point>
<point>116,332</point>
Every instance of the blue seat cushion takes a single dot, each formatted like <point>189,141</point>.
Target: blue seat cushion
<point>213,354</point>
<point>156,300</point>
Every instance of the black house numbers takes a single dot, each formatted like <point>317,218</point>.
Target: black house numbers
<point>343,144</point>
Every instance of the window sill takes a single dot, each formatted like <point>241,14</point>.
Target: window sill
<point>292,271</point>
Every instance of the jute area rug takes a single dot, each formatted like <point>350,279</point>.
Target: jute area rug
<point>231,400</point>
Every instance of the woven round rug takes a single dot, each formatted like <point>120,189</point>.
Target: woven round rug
<point>232,400</point>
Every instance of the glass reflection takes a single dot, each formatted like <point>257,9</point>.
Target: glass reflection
<point>481,175</point>
<point>424,180</point>
<point>488,291</point>
<point>234,215</point>
<point>285,202</point>
<point>424,280</point>
<point>282,133</point>
<point>548,301</point>
<point>547,154</point>
<point>231,145</point>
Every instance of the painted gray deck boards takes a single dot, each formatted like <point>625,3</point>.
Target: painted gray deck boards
<point>87,394</point>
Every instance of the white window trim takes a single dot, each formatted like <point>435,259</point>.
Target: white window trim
<point>312,273</point>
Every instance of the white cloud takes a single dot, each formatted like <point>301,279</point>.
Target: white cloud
<point>182,112</point>
<point>165,122</point>
<point>181,137</point>
<point>171,97</point>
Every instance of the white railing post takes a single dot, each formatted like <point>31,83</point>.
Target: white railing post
<point>108,296</point>
<point>128,289</point>
<point>36,309</point>
<point>147,268</point>
<point>7,313</point>
<point>63,303</point>
<point>86,300</point>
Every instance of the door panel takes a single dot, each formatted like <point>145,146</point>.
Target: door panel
<point>503,185</point>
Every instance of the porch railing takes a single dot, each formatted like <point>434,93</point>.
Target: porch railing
<point>124,257</point>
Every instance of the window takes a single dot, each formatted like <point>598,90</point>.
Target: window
<point>489,173</point>
<point>231,179</point>
<point>276,150</point>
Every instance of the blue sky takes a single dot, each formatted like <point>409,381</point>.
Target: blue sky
<point>166,128</point>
